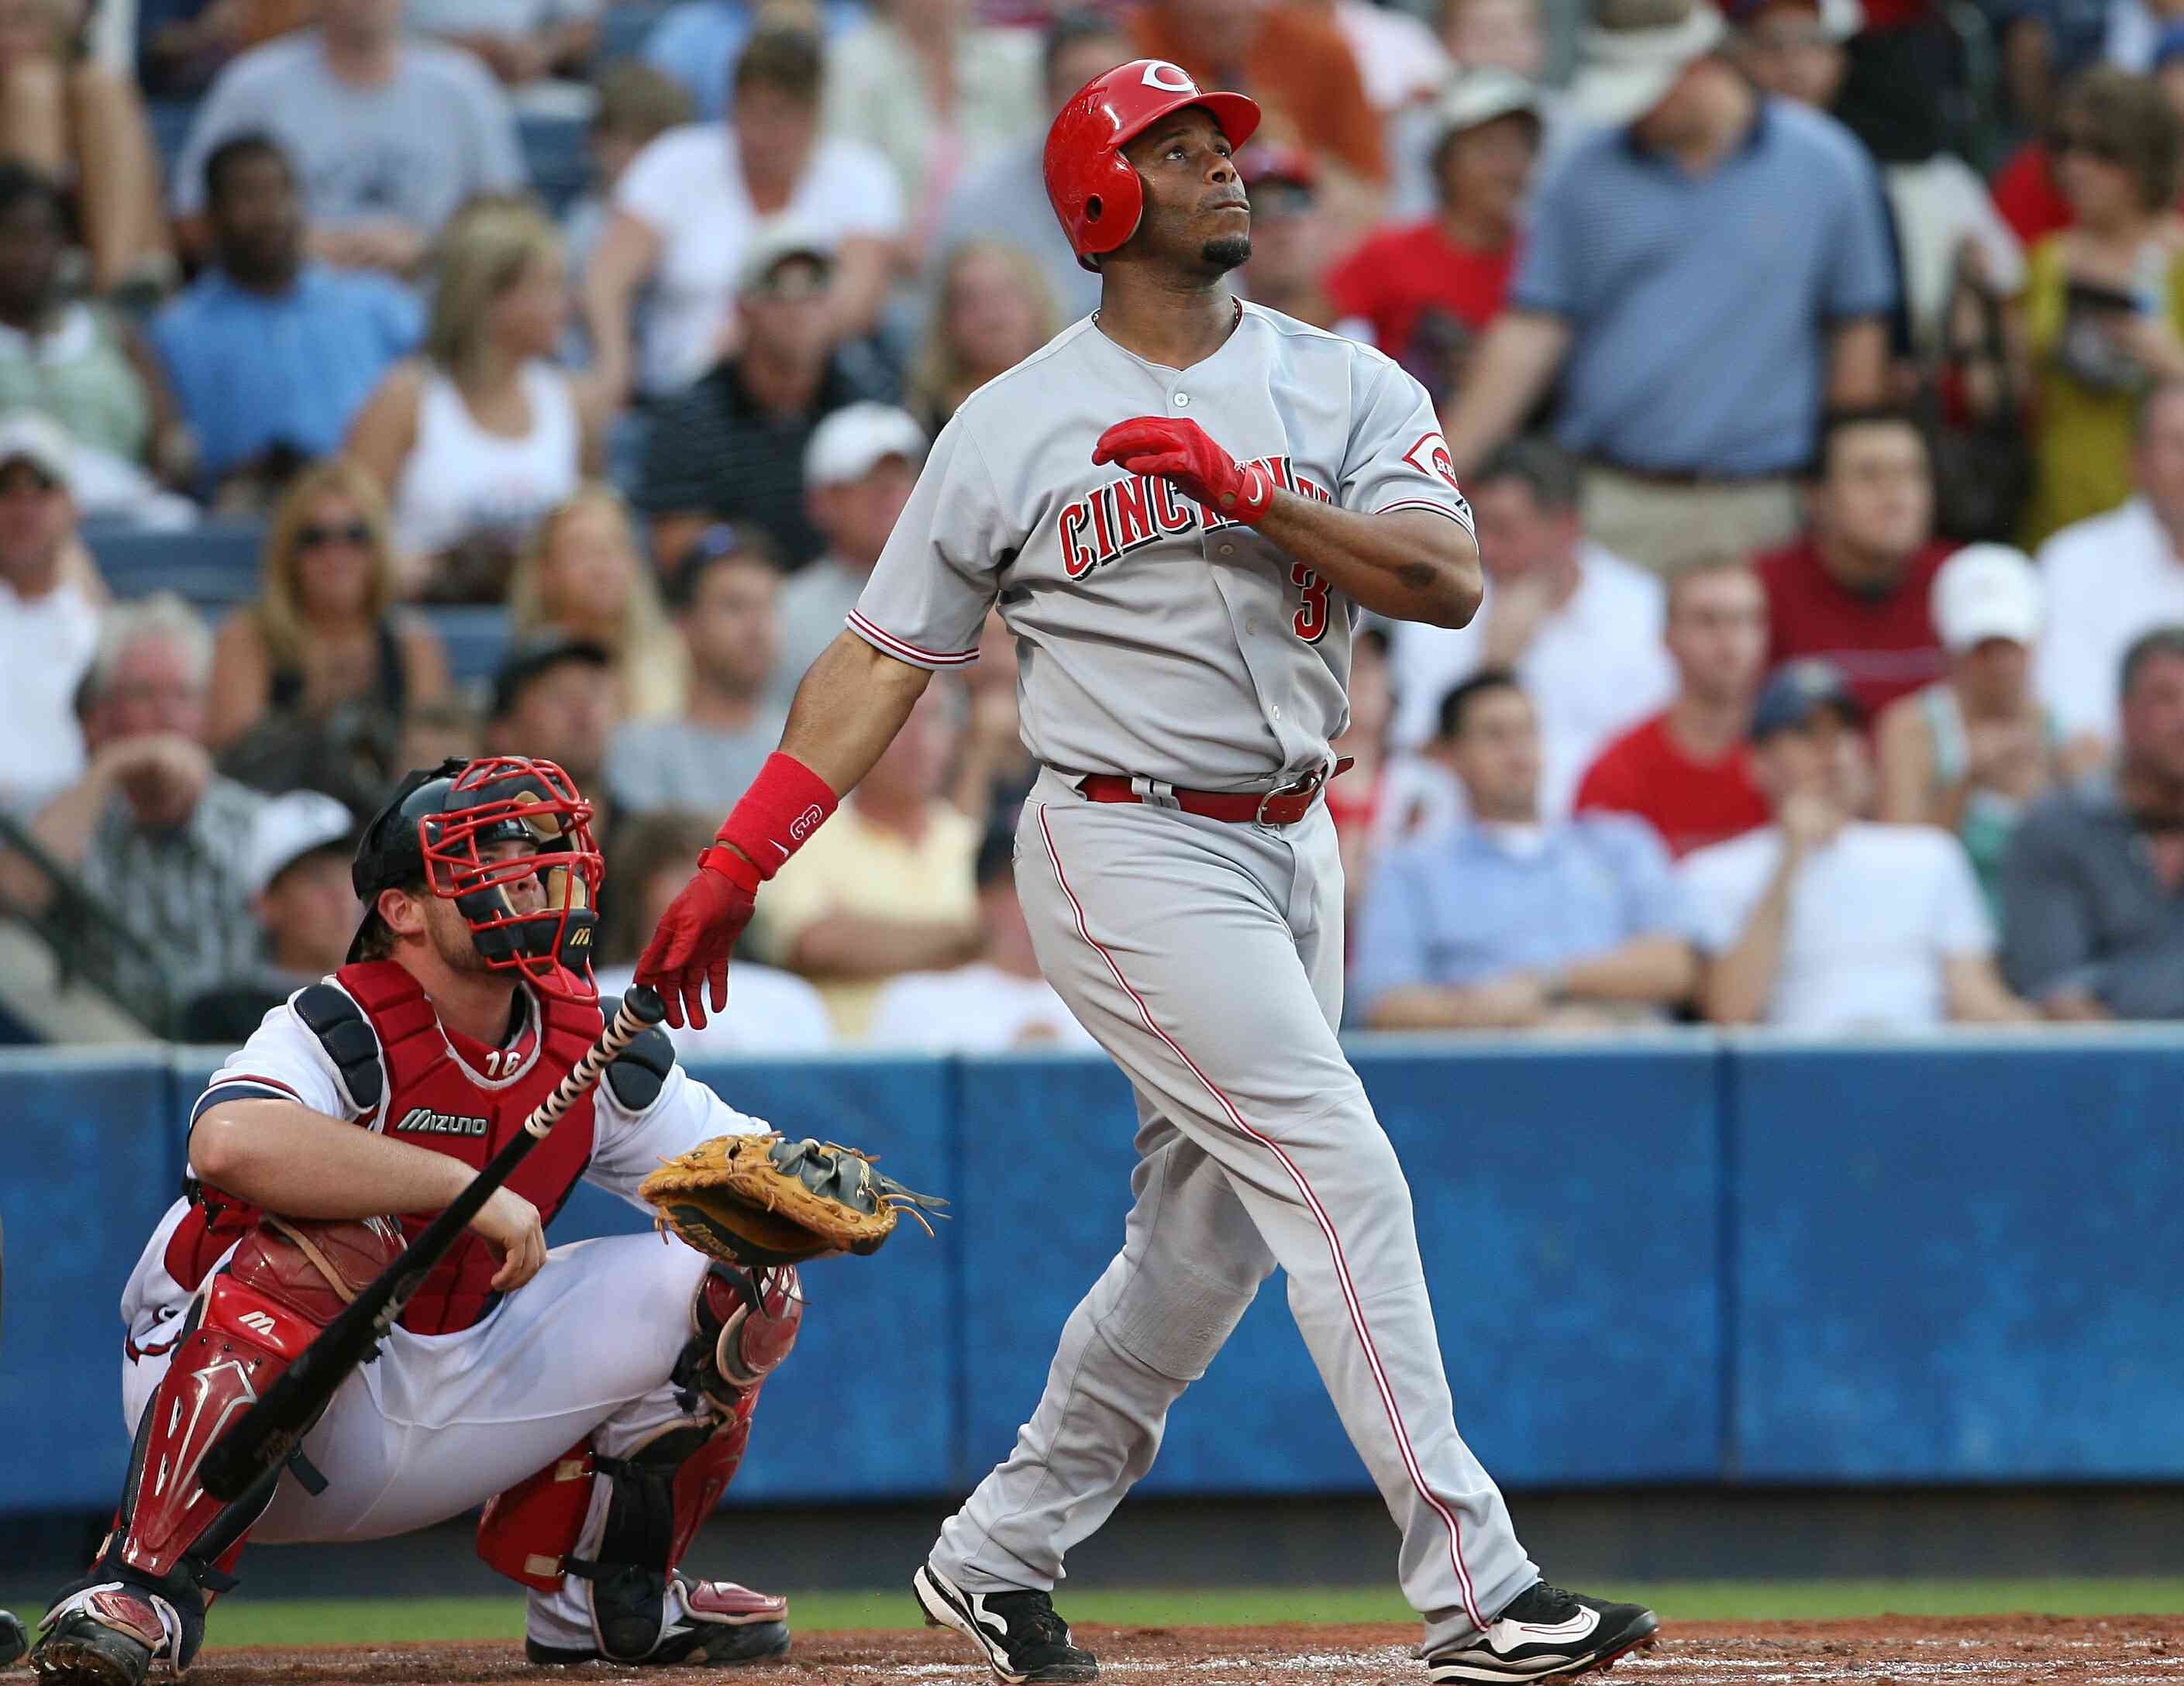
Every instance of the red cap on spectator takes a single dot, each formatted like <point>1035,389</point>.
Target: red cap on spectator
<point>1276,162</point>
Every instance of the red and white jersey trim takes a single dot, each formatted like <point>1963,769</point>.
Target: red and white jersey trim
<point>903,650</point>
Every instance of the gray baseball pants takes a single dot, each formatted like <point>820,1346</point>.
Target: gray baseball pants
<point>1206,958</point>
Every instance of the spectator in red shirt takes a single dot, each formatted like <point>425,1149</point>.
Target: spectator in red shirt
<point>1687,771</point>
<point>1855,588</point>
<point>1430,288</point>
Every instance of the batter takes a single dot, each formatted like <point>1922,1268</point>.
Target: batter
<point>1181,504</point>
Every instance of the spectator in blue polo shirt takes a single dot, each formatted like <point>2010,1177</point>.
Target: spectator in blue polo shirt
<point>1506,922</point>
<point>269,356</point>
<point>1703,275</point>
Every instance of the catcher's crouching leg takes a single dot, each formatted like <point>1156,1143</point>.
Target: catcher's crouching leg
<point>618,1512</point>
<point>173,1546</point>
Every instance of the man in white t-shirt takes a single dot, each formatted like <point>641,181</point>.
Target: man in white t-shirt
<point>1824,922</point>
<point>1001,1000</point>
<point>858,471</point>
<point>2111,577</point>
<point>48,625</point>
<point>690,203</point>
<point>1580,627</point>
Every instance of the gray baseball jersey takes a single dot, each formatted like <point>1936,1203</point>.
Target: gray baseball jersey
<point>1204,957</point>
<point>1156,640</point>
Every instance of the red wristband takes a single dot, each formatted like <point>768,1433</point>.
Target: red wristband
<point>786,803</point>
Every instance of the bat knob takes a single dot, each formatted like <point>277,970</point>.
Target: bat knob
<point>643,1000</point>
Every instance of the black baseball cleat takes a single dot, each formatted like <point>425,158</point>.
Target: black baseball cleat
<point>1546,1633</point>
<point>13,1641</point>
<point>1022,1637</point>
<point>703,1624</point>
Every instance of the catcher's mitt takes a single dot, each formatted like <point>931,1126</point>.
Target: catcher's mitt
<point>765,1200</point>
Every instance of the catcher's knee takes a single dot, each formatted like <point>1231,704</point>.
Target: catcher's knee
<point>743,1324</point>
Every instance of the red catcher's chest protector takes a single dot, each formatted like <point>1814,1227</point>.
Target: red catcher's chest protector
<point>435,1100</point>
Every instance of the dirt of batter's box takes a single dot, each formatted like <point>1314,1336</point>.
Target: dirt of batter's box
<point>2020,1650</point>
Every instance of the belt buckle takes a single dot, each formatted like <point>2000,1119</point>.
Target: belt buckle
<point>1304,787</point>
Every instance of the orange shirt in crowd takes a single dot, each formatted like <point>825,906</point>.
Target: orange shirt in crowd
<point>1298,67</point>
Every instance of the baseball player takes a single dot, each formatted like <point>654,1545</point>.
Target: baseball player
<point>1181,504</point>
<point>598,1395</point>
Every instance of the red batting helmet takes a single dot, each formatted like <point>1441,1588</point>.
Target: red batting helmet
<point>1094,190</point>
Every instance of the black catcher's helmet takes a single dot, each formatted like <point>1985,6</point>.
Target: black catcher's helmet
<point>430,833</point>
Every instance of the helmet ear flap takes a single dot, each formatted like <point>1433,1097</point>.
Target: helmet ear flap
<point>1112,208</point>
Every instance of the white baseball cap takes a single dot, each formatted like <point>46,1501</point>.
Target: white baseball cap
<point>1986,591</point>
<point>1632,53</point>
<point>1480,95</point>
<point>27,436</point>
<point>774,244</point>
<point>856,438</point>
<point>288,827</point>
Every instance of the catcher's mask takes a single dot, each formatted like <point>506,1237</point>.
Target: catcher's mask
<point>433,833</point>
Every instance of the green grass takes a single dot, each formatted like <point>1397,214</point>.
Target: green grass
<point>245,1622</point>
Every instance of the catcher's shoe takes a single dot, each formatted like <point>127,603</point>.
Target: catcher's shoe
<point>706,1622</point>
<point>1022,1637</point>
<point>105,1636</point>
<point>1546,1633</point>
<point>13,1641</point>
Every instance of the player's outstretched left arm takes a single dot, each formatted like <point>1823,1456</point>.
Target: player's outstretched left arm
<point>1409,565</point>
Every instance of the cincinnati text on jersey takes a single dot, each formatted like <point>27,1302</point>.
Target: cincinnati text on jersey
<point>1134,510</point>
<point>425,1121</point>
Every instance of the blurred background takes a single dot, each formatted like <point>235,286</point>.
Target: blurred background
<point>1765,921</point>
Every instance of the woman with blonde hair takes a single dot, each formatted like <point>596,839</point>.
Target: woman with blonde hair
<point>476,440</point>
<point>324,632</point>
<point>583,574</point>
<point>991,309</point>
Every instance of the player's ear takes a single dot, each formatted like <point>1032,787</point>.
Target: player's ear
<point>403,911</point>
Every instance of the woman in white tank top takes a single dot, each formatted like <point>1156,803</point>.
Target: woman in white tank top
<point>477,439</point>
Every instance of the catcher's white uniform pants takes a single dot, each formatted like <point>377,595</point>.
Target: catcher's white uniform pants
<point>437,1424</point>
<point>1206,958</point>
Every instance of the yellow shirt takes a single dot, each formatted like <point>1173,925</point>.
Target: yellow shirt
<point>852,866</point>
<point>2080,434</point>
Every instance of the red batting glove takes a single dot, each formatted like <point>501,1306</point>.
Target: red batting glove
<point>1182,453</point>
<point>690,948</point>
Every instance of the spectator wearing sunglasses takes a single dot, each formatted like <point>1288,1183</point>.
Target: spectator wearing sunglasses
<point>323,635</point>
<point>2104,300</point>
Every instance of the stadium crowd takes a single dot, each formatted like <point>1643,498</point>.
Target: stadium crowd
<point>382,379</point>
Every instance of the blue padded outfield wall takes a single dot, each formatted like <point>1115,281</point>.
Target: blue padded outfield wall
<point>1675,1260</point>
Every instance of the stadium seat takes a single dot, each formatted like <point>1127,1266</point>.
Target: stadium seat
<point>623,29</point>
<point>555,156</point>
<point>170,120</point>
<point>475,637</point>
<point>215,566</point>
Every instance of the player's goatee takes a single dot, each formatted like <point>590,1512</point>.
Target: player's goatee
<point>1229,252</point>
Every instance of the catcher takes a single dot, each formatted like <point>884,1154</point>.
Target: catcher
<point>597,1397</point>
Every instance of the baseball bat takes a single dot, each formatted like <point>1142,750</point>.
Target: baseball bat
<point>267,1433</point>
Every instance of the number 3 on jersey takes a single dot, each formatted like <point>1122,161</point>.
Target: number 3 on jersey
<point>1309,623</point>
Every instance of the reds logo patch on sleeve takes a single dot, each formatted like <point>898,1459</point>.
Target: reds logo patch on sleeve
<point>1430,456</point>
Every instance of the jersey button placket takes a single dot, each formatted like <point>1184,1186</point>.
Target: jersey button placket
<point>1183,401</point>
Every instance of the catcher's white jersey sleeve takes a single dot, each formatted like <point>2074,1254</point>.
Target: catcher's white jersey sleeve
<point>627,1147</point>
